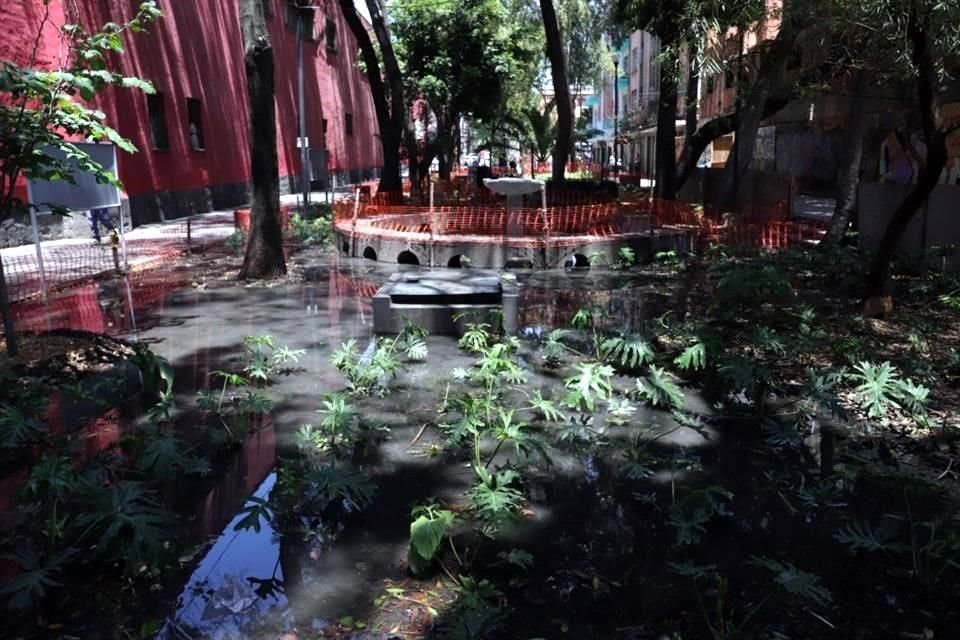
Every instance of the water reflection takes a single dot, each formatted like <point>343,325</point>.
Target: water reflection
<point>237,586</point>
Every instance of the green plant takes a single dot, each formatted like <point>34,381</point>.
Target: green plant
<point>753,285</point>
<point>494,501</point>
<point>427,531</point>
<point>265,359</point>
<point>932,548</point>
<point>591,383</point>
<point>689,515</point>
<point>476,338</point>
<point>722,623</point>
<point>880,389</point>
<point>627,352</point>
<point>659,390</point>
<point>307,231</point>
<point>236,242</point>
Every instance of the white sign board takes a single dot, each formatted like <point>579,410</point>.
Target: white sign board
<point>87,193</point>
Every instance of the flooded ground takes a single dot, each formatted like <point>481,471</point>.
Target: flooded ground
<point>598,531</point>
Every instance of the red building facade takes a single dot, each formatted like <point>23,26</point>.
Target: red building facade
<point>193,135</point>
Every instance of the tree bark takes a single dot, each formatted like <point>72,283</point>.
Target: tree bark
<point>9,331</point>
<point>398,106</point>
<point>693,90</point>
<point>390,134</point>
<point>849,179</point>
<point>561,89</point>
<point>877,299</point>
<point>695,145</point>
<point>772,68</point>
<point>666,151</point>
<point>264,255</point>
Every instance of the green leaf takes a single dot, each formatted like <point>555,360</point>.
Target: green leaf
<point>693,358</point>
<point>426,534</point>
<point>657,389</point>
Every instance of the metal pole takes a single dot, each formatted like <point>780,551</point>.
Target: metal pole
<point>616,111</point>
<point>304,150</point>
<point>36,241</point>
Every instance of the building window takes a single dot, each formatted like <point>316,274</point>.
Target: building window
<point>323,131</point>
<point>635,60</point>
<point>297,13</point>
<point>330,34</point>
<point>710,82</point>
<point>159,139</point>
<point>195,124</point>
<point>267,6</point>
<point>348,124</point>
<point>634,98</point>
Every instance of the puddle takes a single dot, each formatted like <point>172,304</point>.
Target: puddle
<point>250,584</point>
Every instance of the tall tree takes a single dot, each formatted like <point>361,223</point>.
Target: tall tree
<point>794,18</point>
<point>391,131</point>
<point>561,89</point>
<point>457,59</point>
<point>44,108</point>
<point>682,26</point>
<point>920,40</point>
<point>264,255</point>
<point>848,179</point>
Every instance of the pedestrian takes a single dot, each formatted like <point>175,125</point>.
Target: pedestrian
<point>98,217</point>
<point>513,169</point>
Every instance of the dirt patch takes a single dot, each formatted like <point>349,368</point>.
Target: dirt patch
<point>63,355</point>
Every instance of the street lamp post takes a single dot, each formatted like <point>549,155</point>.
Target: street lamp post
<point>305,168</point>
<point>616,112</point>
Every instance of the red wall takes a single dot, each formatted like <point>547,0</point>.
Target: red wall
<point>195,51</point>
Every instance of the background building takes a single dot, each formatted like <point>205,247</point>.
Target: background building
<point>193,135</point>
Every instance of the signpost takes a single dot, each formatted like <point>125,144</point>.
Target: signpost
<point>83,194</point>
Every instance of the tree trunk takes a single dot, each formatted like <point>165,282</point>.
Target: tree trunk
<point>849,179</point>
<point>389,133</point>
<point>9,332</point>
<point>666,152</point>
<point>695,145</point>
<point>877,299</point>
<point>398,106</point>
<point>264,255</point>
<point>693,91</point>
<point>772,68</point>
<point>561,89</point>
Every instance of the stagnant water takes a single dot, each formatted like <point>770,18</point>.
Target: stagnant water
<point>238,588</point>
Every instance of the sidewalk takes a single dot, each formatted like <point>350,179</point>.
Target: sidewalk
<point>73,260</point>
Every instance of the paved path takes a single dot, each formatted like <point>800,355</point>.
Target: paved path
<point>72,260</point>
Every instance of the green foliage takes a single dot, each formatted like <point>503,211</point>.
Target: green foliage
<point>126,523</point>
<point>427,531</point>
<point>36,577</point>
<point>43,110</point>
<point>627,352</point>
<point>693,358</point>
<point>880,389</point>
<point>690,515</point>
<point>659,390</point>
<point>315,231</point>
<point>749,286</point>
<point>20,423</point>
<point>476,338</point>
<point>236,242</point>
<point>931,548</point>
<point>546,408</point>
<point>265,359</point>
<point>494,501</point>
<point>591,383</point>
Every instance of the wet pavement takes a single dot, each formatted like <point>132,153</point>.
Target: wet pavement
<point>236,588</point>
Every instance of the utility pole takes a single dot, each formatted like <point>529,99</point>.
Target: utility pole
<point>306,170</point>
<point>616,112</point>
